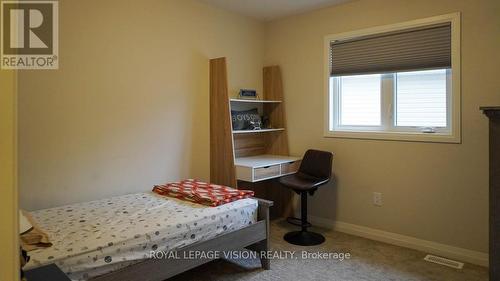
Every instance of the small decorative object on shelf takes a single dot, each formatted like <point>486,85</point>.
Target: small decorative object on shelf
<point>266,124</point>
<point>246,119</point>
<point>255,125</point>
<point>247,94</point>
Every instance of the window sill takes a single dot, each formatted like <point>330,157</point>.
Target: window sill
<point>395,136</point>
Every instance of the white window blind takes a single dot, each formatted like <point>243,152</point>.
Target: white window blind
<point>360,100</point>
<point>421,98</point>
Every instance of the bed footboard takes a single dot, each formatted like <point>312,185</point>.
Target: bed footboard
<point>264,245</point>
<point>254,237</point>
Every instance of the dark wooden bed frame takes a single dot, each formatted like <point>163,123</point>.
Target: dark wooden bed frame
<point>254,237</point>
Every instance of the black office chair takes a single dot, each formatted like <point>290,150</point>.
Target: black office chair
<point>315,171</point>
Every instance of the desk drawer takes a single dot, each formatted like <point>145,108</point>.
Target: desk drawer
<point>290,168</point>
<point>266,172</point>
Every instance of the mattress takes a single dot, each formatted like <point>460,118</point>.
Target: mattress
<point>93,238</point>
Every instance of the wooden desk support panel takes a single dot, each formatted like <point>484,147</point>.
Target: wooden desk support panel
<point>273,90</point>
<point>254,237</point>
<point>221,140</point>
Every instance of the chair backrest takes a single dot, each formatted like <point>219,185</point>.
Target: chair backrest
<point>317,164</point>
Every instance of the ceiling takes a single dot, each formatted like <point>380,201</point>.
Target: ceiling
<point>267,10</point>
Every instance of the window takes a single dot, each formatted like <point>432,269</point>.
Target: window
<point>420,99</point>
<point>400,83</point>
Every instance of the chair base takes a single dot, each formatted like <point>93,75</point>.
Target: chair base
<point>304,238</point>
<point>297,222</point>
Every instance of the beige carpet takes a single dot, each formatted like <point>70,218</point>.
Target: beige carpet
<point>370,260</point>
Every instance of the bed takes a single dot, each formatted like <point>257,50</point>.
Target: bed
<point>116,238</point>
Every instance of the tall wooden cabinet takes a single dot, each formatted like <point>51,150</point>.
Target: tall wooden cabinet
<point>493,114</point>
<point>251,159</point>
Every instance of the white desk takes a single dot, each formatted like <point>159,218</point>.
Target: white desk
<point>264,167</point>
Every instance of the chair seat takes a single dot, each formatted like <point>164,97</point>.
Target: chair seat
<point>302,182</point>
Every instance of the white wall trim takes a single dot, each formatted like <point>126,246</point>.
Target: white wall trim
<point>461,254</point>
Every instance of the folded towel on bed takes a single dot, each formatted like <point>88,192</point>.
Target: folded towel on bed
<point>207,194</point>
<point>34,238</point>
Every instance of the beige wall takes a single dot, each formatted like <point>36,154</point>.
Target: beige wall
<point>128,107</point>
<point>9,264</point>
<point>436,192</point>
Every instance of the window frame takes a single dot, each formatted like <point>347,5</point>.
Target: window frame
<point>388,130</point>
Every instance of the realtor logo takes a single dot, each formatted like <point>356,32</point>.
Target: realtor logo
<point>29,35</point>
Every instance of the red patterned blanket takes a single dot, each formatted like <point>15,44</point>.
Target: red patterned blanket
<point>201,192</point>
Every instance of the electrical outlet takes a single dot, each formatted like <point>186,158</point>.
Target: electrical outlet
<point>377,199</point>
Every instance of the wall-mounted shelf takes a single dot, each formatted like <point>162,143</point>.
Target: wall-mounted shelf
<point>255,101</point>
<point>257,131</point>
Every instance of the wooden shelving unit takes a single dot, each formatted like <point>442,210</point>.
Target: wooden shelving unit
<point>251,159</point>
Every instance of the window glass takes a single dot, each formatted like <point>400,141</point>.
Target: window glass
<point>360,100</point>
<point>421,98</point>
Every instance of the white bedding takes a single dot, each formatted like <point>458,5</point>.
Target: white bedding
<point>97,237</point>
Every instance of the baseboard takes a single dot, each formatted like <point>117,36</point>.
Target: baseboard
<point>426,246</point>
